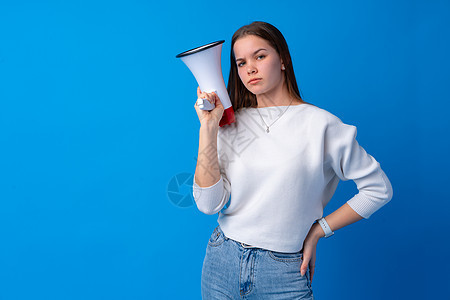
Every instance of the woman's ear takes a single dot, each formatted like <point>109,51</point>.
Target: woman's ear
<point>282,66</point>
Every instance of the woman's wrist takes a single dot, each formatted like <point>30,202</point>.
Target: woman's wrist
<point>317,231</point>
<point>209,125</point>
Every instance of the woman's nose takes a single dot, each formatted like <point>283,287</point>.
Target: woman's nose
<point>251,70</point>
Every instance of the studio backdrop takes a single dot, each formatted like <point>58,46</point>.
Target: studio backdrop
<point>99,140</point>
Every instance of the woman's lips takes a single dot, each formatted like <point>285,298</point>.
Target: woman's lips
<point>255,80</point>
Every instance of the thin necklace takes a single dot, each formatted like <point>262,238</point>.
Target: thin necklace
<point>267,126</point>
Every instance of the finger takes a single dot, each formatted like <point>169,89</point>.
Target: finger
<point>312,265</point>
<point>304,266</point>
<point>213,97</point>
<point>203,95</point>
<point>216,98</point>
<point>208,96</point>
<point>217,101</point>
<point>199,91</point>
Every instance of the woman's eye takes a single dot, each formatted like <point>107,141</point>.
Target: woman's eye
<point>261,56</point>
<point>241,64</point>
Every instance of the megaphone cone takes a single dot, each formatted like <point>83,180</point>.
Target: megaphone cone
<point>204,63</point>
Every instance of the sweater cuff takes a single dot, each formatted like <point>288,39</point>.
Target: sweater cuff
<point>209,199</point>
<point>365,206</point>
<point>207,187</point>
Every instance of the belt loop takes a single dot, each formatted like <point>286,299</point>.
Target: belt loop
<point>246,246</point>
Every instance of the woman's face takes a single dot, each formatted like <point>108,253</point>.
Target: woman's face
<point>259,65</point>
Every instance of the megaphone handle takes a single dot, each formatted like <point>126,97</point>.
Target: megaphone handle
<point>205,105</point>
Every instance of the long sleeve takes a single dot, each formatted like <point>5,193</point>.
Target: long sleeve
<point>210,200</point>
<point>350,161</point>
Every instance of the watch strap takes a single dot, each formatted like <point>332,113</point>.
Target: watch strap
<point>326,228</point>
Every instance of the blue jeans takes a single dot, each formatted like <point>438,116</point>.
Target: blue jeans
<point>233,270</point>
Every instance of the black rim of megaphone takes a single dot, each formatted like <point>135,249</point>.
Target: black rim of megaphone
<point>201,48</point>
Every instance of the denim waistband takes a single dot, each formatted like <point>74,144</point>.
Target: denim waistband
<point>241,243</point>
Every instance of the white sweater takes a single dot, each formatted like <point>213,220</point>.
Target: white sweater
<point>280,182</point>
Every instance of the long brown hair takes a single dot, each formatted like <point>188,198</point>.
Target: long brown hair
<point>239,95</point>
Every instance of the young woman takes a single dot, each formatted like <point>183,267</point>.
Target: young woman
<point>270,174</point>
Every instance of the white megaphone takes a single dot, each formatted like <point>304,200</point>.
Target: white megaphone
<point>204,63</point>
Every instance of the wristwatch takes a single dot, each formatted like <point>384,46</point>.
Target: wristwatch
<point>326,228</point>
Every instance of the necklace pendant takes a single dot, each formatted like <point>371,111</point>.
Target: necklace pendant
<point>267,129</point>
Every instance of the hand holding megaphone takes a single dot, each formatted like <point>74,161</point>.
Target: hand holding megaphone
<point>204,63</point>
<point>211,100</point>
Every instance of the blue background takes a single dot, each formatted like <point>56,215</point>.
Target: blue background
<point>97,117</point>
